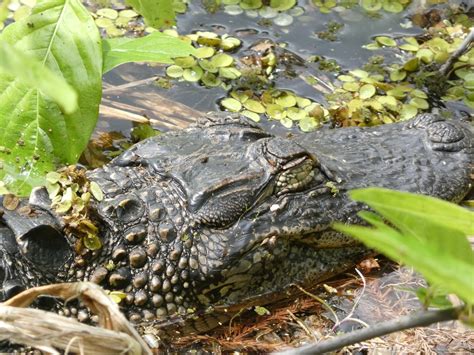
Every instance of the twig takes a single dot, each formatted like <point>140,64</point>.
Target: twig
<point>420,319</point>
<point>116,89</point>
<point>446,68</point>
<point>323,303</point>
<point>301,324</point>
<point>349,318</point>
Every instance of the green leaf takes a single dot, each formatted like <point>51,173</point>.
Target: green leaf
<point>31,72</point>
<point>156,47</point>
<point>157,13</point>
<point>282,5</point>
<point>366,91</point>
<point>408,111</point>
<point>401,207</point>
<point>92,241</point>
<point>62,36</point>
<point>261,311</point>
<point>96,191</point>
<point>430,235</point>
<point>386,41</point>
<point>371,5</point>
<point>438,267</point>
<point>231,104</point>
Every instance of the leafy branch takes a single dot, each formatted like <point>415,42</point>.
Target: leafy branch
<point>423,232</point>
<point>51,67</point>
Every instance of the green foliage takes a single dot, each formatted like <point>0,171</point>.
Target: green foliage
<point>157,13</point>
<point>31,72</point>
<point>156,47</point>
<point>427,233</point>
<point>62,37</point>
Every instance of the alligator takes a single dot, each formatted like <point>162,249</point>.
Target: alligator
<point>199,223</point>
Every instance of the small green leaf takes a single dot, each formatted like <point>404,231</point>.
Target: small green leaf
<point>366,91</point>
<point>286,122</point>
<point>412,65</point>
<point>302,102</point>
<point>252,115</point>
<point>108,13</point>
<point>254,106</point>
<point>286,100</point>
<point>408,111</point>
<point>53,177</point>
<point>388,101</point>
<point>261,311</point>
<point>425,55</point>
<point>210,80</point>
<point>296,114</point>
<point>173,71</point>
<point>229,73</point>
<point>275,111</point>
<point>231,104</point>
<point>96,191</point>
<point>282,5</point>
<point>372,46</point>
<point>92,242</point>
<point>251,4</point>
<point>204,52</point>
<point>193,74</point>
<point>353,87</point>
<point>386,41</point>
<point>419,93</point>
<point>409,47</point>
<point>422,104</point>
<point>308,124</point>
<point>371,5</point>
<point>346,78</point>
<point>359,73</point>
<point>222,60</point>
<point>398,75</point>
<point>392,6</point>
<point>117,296</point>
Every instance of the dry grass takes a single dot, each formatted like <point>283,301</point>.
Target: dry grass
<point>304,321</point>
<point>48,331</point>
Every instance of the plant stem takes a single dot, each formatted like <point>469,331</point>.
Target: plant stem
<point>419,319</point>
<point>446,68</point>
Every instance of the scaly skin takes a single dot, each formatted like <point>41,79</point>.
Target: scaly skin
<point>223,215</point>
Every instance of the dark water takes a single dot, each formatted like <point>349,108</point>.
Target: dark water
<point>300,39</point>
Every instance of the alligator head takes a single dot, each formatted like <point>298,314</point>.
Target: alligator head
<point>223,215</point>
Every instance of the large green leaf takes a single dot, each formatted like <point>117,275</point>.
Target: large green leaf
<point>400,206</point>
<point>31,72</point>
<point>157,13</point>
<point>36,134</point>
<point>425,238</point>
<point>156,47</point>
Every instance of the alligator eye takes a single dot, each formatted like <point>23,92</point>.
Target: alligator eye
<point>293,166</point>
<point>297,177</point>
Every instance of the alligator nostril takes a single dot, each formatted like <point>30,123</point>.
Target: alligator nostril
<point>12,288</point>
